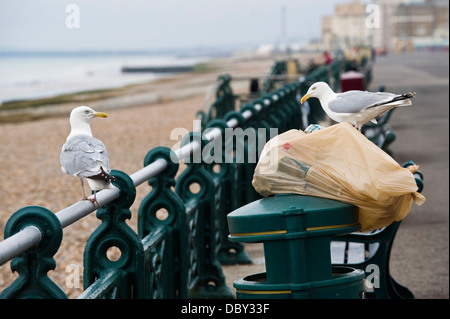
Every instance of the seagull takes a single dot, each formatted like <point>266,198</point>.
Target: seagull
<point>84,156</point>
<point>356,107</point>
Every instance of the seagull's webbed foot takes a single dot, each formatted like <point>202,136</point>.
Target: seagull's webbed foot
<point>94,200</point>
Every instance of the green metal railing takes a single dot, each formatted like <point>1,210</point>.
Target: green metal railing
<point>224,102</point>
<point>182,232</point>
<point>182,236</point>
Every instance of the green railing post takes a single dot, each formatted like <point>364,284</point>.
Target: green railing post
<point>115,232</point>
<point>273,111</point>
<point>224,94</point>
<point>336,70</point>
<point>243,167</point>
<point>225,177</point>
<point>286,106</point>
<point>246,169</point>
<point>284,98</point>
<point>278,68</point>
<point>34,264</point>
<point>199,193</point>
<point>162,210</point>
<point>224,103</point>
<point>292,98</point>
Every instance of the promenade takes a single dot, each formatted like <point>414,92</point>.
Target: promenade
<point>419,257</point>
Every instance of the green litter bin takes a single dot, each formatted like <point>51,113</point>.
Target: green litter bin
<point>296,232</point>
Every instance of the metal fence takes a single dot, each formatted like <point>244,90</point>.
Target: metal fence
<point>182,236</point>
<point>182,232</point>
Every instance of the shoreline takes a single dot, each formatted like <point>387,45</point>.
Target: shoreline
<point>111,98</point>
<point>163,89</point>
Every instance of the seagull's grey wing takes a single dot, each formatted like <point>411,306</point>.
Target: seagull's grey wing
<point>84,156</point>
<point>355,101</point>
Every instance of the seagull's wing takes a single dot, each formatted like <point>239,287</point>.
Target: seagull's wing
<point>356,101</point>
<point>84,156</point>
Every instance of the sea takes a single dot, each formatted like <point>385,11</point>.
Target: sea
<point>25,76</point>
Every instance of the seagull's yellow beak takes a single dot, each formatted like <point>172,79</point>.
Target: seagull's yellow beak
<point>100,114</point>
<point>305,97</point>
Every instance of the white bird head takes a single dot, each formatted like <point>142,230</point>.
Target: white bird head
<point>317,90</point>
<point>80,118</point>
<point>85,114</point>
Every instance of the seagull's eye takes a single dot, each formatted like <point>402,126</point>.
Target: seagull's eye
<point>313,88</point>
<point>86,112</point>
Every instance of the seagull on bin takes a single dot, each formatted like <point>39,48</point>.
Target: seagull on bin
<point>84,156</point>
<point>356,107</point>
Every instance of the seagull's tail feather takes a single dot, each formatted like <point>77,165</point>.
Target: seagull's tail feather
<point>103,176</point>
<point>404,99</point>
<point>409,95</point>
<point>399,100</point>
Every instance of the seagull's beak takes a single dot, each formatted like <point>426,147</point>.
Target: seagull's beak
<point>100,114</point>
<point>305,97</point>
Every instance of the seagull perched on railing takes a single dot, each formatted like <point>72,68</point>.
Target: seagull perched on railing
<point>84,156</point>
<point>356,107</point>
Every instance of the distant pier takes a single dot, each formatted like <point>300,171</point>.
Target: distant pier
<point>157,69</point>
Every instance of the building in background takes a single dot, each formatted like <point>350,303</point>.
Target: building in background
<point>418,25</point>
<point>346,28</point>
<point>381,37</point>
<point>404,25</point>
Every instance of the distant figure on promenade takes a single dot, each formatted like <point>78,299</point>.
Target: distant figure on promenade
<point>327,57</point>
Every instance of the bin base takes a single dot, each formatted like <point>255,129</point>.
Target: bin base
<point>347,283</point>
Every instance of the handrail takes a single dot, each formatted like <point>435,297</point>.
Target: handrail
<point>30,236</point>
<point>101,287</point>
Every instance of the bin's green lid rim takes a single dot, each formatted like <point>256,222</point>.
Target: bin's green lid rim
<point>310,230</point>
<point>294,213</point>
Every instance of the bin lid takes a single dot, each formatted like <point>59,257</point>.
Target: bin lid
<point>291,216</point>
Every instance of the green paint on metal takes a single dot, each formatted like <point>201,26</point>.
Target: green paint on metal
<point>162,227</point>
<point>199,192</point>
<point>34,264</point>
<point>182,224</point>
<point>296,232</point>
<point>115,234</point>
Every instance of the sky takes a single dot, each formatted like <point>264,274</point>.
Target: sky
<point>44,25</point>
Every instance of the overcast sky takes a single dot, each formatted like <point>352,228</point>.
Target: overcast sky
<point>157,24</point>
